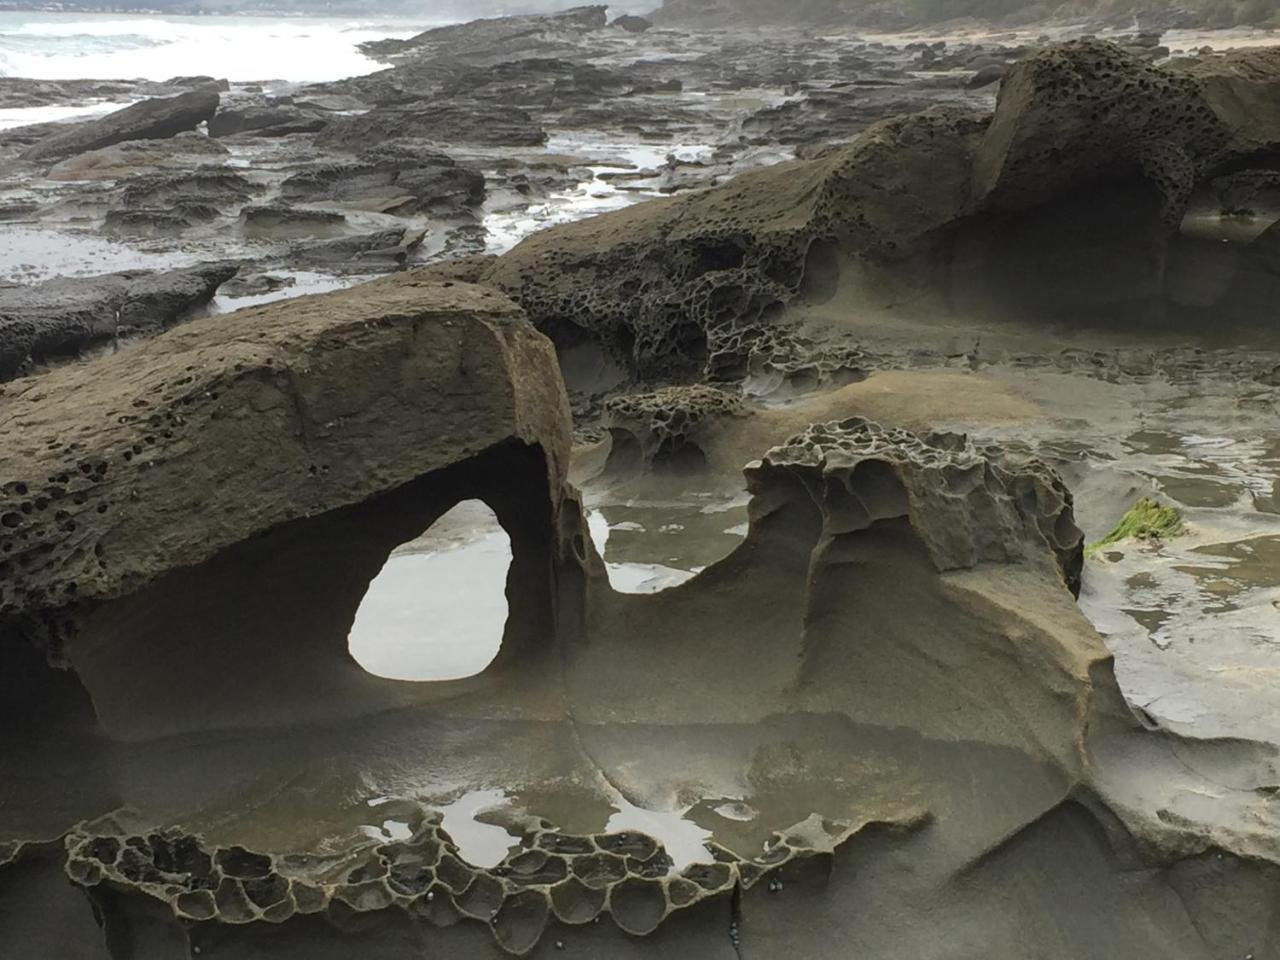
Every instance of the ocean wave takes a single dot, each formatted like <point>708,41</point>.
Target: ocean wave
<point>77,44</point>
<point>55,46</point>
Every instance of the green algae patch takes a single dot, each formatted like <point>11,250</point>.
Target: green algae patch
<point>1146,520</point>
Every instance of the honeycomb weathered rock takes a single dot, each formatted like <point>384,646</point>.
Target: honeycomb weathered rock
<point>696,283</point>
<point>969,504</point>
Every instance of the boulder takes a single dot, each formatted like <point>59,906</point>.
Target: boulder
<point>265,120</point>
<point>393,178</point>
<point>206,184</point>
<point>631,23</point>
<point>442,122</point>
<point>365,253</point>
<point>1087,109</point>
<point>155,119</point>
<point>66,316</point>
<point>411,340</point>
<point>496,39</point>
<point>279,220</point>
<point>135,157</point>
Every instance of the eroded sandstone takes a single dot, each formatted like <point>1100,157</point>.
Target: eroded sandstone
<point>1067,200</point>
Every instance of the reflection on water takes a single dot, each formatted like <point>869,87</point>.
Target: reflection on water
<point>684,841</point>
<point>479,843</point>
<point>1208,471</point>
<point>652,544</point>
<point>438,608</point>
<point>1230,571</point>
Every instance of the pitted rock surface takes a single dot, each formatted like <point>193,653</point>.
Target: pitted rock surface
<point>60,318</point>
<point>691,281</point>
<point>667,422</point>
<point>1088,109</point>
<point>697,282</point>
<point>574,880</point>
<point>90,498</point>
<point>969,504</point>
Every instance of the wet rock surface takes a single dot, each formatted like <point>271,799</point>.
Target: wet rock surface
<point>561,115</point>
<point>695,282</point>
<point>860,538</point>
<point>875,698</point>
<point>440,123</point>
<point>175,396</point>
<point>156,119</point>
<point>66,318</point>
<point>394,179</point>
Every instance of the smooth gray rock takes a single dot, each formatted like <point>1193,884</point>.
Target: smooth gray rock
<point>156,119</point>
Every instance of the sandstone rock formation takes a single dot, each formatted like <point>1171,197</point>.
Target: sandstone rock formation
<point>185,397</point>
<point>693,281</point>
<point>155,119</point>
<point>496,39</point>
<point>63,317</point>
<point>883,724</point>
<point>394,179</point>
<point>889,671</point>
<point>440,122</point>
<point>1066,202</point>
<point>666,428</point>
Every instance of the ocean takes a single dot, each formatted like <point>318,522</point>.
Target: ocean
<point>115,46</point>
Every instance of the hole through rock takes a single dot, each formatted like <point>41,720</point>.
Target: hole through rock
<point>437,609</point>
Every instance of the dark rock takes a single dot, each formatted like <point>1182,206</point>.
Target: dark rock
<point>149,120</point>
<point>548,83</point>
<point>211,185</point>
<point>266,120</point>
<point>393,179</point>
<point>497,39</point>
<point>145,221</point>
<point>199,82</point>
<point>631,23</point>
<point>62,317</point>
<point>986,76</point>
<point>27,134</point>
<point>383,250</point>
<point>447,122</point>
<point>1254,191</point>
<point>276,220</point>
<point>255,284</point>
<point>19,92</point>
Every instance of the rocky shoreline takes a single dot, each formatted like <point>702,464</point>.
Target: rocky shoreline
<point>929,317</point>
